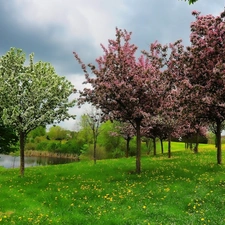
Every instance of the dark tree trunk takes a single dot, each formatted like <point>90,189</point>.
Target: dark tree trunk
<point>218,138</point>
<point>138,153</point>
<point>22,146</point>
<point>154,145</point>
<point>169,146</point>
<point>161,141</point>
<point>148,146</point>
<point>197,142</point>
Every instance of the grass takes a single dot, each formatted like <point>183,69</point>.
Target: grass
<point>186,189</point>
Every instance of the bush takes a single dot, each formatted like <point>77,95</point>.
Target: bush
<point>30,146</point>
<point>71,146</point>
<point>54,147</point>
<point>42,146</point>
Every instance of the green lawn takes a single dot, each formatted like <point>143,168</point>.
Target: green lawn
<point>186,189</point>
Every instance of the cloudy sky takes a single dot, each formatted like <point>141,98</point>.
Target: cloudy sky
<point>53,29</point>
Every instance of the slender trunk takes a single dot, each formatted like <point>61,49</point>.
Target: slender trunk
<point>161,141</point>
<point>22,145</point>
<point>154,145</point>
<point>169,146</point>
<point>148,146</point>
<point>94,153</point>
<point>138,153</point>
<point>191,146</point>
<point>197,142</point>
<point>218,138</point>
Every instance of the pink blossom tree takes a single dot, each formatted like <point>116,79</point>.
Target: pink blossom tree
<point>203,65</point>
<point>126,88</point>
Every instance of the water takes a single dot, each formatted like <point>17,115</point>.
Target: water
<point>9,161</point>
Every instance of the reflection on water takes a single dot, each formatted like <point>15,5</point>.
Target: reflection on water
<point>9,161</point>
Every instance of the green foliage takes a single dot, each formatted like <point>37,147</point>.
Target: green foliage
<point>71,146</point>
<point>186,189</point>
<point>85,132</point>
<point>191,1</point>
<point>8,138</point>
<point>42,146</point>
<point>37,132</point>
<point>101,152</point>
<point>107,140</point>
<point>57,133</point>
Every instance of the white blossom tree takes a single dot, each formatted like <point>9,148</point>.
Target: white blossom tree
<point>32,95</point>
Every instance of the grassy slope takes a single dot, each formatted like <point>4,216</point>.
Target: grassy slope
<point>186,189</point>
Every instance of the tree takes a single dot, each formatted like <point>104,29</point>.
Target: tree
<point>85,132</point>
<point>125,88</point>
<point>203,68</point>
<point>94,119</point>
<point>32,95</point>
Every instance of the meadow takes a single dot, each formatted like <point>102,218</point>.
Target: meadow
<point>185,189</point>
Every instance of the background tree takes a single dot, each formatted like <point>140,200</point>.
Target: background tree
<point>94,119</point>
<point>57,133</point>
<point>85,132</point>
<point>32,95</point>
<point>37,132</point>
<point>125,130</point>
<point>125,88</point>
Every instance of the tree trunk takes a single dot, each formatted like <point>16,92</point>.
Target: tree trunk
<point>218,138</point>
<point>94,153</point>
<point>169,146</point>
<point>22,145</point>
<point>161,141</point>
<point>197,142</point>
<point>154,145</point>
<point>128,147</point>
<point>138,153</point>
<point>148,146</point>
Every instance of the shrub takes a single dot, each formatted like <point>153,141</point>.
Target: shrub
<point>71,146</point>
<point>42,146</point>
<point>30,146</point>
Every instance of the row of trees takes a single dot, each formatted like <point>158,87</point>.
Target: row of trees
<point>171,88</point>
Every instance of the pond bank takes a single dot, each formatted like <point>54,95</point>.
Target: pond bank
<point>51,154</point>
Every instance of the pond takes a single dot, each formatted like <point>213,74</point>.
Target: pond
<point>9,161</point>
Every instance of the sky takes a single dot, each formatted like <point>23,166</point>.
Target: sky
<point>54,29</point>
